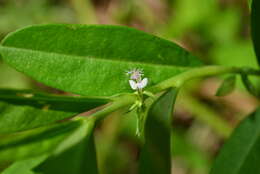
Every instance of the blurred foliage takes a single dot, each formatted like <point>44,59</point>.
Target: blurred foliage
<point>19,13</point>
<point>215,30</point>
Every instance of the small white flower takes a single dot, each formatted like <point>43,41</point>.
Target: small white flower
<point>136,82</point>
<point>138,85</point>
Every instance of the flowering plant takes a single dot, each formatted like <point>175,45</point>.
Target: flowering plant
<point>39,130</point>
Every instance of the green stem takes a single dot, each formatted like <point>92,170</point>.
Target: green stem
<point>119,102</point>
<point>178,80</point>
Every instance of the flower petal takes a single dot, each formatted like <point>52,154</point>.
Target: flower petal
<point>143,83</point>
<point>133,84</point>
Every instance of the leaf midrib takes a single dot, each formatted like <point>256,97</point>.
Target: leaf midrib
<point>94,58</point>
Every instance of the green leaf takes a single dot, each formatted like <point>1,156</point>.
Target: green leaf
<point>79,159</point>
<point>24,166</point>
<point>255,26</point>
<point>156,152</point>
<point>92,60</point>
<point>25,109</point>
<point>250,3</point>
<point>249,85</point>
<point>240,154</point>
<point>44,140</point>
<point>227,86</point>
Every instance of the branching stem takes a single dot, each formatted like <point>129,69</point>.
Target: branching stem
<point>119,102</point>
<point>176,81</point>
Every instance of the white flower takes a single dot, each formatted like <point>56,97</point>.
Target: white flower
<point>138,85</point>
<point>136,82</point>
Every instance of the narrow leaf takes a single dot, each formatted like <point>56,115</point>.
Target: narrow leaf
<point>79,159</point>
<point>249,3</point>
<point>77,58</point>
<point>249,85</point>
<point>24,166</point>
<point>45,140</point>
<point>240,154</point>
<point>26,109</point>
<point>156,153</point>
<point>255,26</point>
<point>227,86</point>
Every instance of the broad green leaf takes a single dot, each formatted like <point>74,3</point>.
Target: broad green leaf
<point>240,154</point>
<point>25,109</point>
<point>24,166</point>
<point>44,140</point>
<point>255,27</point>
<point>227,86</point>
<point>79,159</point>
<point>156,152</point>
<point>92,60</point>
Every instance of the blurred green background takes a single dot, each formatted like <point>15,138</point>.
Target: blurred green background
<point>217,31</point>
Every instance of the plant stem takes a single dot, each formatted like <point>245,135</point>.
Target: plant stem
<point>177,81</point>
<point>120,102</point>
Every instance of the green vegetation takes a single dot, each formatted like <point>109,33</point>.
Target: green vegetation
<point>80,98</point>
